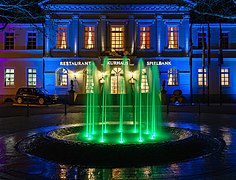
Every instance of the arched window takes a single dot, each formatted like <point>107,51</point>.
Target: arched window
<point>117,81</point>
<point>62,77</point>
<point>173,77</point>
<point>89,82</point>
<point>144,82</point>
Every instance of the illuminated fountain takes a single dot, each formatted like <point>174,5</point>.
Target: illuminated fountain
<point>124,127</point>
<point>144,123</point>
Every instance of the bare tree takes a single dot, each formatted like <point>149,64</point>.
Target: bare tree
<point>219,8</point>
<point>12,11</point>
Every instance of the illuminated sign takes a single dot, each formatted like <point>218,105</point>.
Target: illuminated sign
<point>118,63</point>
<point>74,63</point>
<point>159,62</point>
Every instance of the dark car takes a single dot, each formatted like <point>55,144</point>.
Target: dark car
<point>34,95</point>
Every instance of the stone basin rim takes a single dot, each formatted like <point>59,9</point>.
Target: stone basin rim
<point>60,133</point>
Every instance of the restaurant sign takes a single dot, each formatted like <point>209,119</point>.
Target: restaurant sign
<point>74,63</point>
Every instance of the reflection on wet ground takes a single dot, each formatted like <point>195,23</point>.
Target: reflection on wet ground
<point>14,165</point>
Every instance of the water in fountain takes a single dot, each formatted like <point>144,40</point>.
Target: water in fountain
<point>136,119</point>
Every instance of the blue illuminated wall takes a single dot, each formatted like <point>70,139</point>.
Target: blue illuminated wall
<point>158,17</point>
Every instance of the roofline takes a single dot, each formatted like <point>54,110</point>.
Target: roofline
<point>115,7</point>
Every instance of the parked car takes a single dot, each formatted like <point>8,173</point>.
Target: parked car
<point>34,95</point>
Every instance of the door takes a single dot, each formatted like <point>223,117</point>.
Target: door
<point>117,81</point>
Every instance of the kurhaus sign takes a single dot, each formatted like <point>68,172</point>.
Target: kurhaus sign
<point>117,62</point>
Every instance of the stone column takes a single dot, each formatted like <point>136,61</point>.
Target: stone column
<point>186,33</point>
<point>132,35</point>
<point>47,35</point>
<point>75,31</point>
<point>103,33</point>
<point>159,25</point>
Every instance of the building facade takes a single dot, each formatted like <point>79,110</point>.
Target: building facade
<point>76,35</point>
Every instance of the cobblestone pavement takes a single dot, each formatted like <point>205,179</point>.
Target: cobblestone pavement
<point>14,165</point>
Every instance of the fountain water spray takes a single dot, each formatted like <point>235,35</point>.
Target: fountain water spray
<point>140,93</point>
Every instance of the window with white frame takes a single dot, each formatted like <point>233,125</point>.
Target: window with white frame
<point>173,77</point>
<point>9,77</point>
<point>31,77</point>
<point>200,36</point>
<point>61,37</point>
<point>173,37</point>
<point>225,77</point>
<point>62,77</point>
<point>202,77</point>
<point>117,38</point>
<point>31,42</point>
<point>144,82</point>
<point>117,81</point>
<point>144,37</point>
<point>225,40</point>
<point>89,37</point>
<point>9,40</point>
<point>89,87</point>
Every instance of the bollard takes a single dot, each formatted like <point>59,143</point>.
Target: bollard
<point>199,108</point>
<point>65,112</point>
<point>27,108</point>
<point>167,108</point>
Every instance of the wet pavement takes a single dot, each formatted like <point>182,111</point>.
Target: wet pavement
<point>14,165</point>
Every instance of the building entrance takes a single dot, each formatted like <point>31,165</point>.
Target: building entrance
<point>117,79</point>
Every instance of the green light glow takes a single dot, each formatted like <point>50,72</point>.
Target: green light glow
<point>133,104</point>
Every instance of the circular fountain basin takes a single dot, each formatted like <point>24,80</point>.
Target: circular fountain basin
<point>114,137</point>
<point>66,145</point>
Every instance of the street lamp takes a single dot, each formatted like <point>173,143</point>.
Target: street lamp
<point>102,79</point>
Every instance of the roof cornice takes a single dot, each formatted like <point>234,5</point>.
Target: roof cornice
<point>114,7</point>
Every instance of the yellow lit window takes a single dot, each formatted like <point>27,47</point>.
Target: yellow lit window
<point>225,77</point>
<point>117,38</point>
<point>144,37</point>
<point>62,77</point>
<point>117,81</point>
<point>173,37</point>
<point>144,82</point>
<point>173,77</point>
<point>89,82</point>
<point>202,76</point>
<point>61,38</point>
<point>89,37</point>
